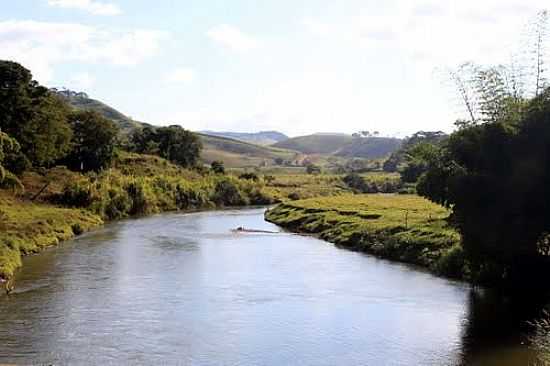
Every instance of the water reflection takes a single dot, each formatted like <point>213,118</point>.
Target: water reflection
<point>185,289</point>
<point>496,330</point>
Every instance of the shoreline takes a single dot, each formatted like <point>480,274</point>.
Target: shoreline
<point>72,226</point>
<point>437,253</point>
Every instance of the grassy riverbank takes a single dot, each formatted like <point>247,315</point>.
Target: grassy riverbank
<point>406,228</point>
<point>57,204</point>
<point>27,228</point>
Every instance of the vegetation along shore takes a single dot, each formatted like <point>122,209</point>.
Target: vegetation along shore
<point>405,228</point>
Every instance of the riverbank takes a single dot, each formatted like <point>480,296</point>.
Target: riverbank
<point>58,204</point>
<point>27,228</point>
<point>405,228</point>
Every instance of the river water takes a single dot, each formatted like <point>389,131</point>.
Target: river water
<point>184,289</point>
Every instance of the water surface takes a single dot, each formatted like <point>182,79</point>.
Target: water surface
<point>185,289</point>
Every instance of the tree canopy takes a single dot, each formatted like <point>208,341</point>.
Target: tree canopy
<point>496,178</point>
<point>173,143</point>
<point>93,143</point>
<point>33,116</point>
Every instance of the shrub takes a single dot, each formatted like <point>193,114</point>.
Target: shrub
<point>217,167</point>
<point>140,203</point>
<point>356,182</point>
<point>249,176</point>
<point>452,262</point>
<point>77,229</point>
<point>77,195</point>
<point>226,193</point>
<point>294,196</point>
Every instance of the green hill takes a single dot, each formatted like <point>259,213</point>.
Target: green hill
<point>258,138</point>
<point>82,101</point>
<point>237,154</point>
<point>342,145</point>
<point>234,153</point>
<point>318,143</point>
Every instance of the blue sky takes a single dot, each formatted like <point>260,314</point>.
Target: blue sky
<point>295,66</point>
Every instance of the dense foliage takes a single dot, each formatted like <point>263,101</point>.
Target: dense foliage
<point>33,116</point>
<point>172,143</point>
<point>496,178</point>
<point>93,142</point>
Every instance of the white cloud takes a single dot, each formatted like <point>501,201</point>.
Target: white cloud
<point>91,6</point>
<point>180,75</point>
<point>81,81</point>
<point>233,38</point>
<point>42,45</point>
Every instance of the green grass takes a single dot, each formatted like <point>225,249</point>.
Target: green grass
<point>407,228</point>
<point>27,228</point>
<point>237,154</point>
<point>301,186</point>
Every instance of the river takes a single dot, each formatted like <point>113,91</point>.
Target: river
<point>185,289</point>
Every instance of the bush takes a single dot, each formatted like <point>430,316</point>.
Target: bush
<point>452,263</point>
<point>356,182</point>
<point>249,176</point>
<point>294,196</point>
<point>118,206</point>
<point>140,203</point>
<point>217,167</point>
<point>77,229</point>
<point>227,194</point>
<point>77,195</point>
<point>187,198</point>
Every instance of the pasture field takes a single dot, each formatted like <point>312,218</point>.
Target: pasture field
<point>406,228</point>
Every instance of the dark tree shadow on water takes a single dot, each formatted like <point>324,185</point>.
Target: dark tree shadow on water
<point>497,329</point>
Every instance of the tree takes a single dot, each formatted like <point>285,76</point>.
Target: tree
<point>179,145</point>
<point>32,115</point>
<point>400,159</point>
<point>144,141</point>
<point>495,177</point>
<point>356,182</point>
<point>172,143</point>
<point>217,167</point>
<point>12,161</point>
<point>93,143</point>
<point>312,169</point>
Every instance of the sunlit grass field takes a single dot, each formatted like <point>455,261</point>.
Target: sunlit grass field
<point>302,186</point>
<point>402,227</point>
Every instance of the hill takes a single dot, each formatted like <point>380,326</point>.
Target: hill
<point>369,147</point>
<point>259,138</point>
<point>234,153</point>
<point>238,154</point>
<point>82,101</point>
<point>317,143</point>
<point>342,145</point>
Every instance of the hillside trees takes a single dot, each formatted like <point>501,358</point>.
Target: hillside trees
<point>93,143</point>
<point>172,143</point>
<point>12,161</point>
<point>33,116</point>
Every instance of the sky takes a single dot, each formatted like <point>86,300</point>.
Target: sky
<point>296,66</point>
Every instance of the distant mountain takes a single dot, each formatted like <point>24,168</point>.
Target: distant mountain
<point>342,145</point>
<point>260,138</point>
<point>234,153</point>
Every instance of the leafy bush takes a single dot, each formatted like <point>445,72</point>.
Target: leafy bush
<point>217,167</point>
<point>249,176</point>
<point>356,182</point>
<point>226,193</point>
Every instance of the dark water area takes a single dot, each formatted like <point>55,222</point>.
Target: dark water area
<point>185,289</point>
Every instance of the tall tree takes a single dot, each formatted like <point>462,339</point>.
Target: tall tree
<point>32,115</point>
<point>93,142</point>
